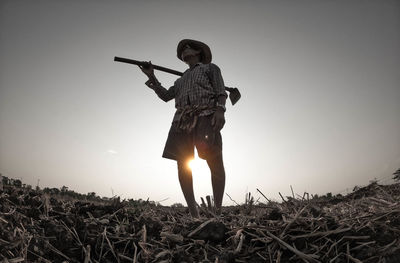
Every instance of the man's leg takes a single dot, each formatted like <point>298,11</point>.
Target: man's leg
<point>218,180</point>
<point>186,181</point>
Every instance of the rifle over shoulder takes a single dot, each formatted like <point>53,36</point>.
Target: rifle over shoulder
<point>234,94</point>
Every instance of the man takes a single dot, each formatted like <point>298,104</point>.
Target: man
<point>200,102</point>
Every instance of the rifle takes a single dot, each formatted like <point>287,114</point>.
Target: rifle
<point>234,94</point>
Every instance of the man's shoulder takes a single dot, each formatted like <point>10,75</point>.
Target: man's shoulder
<point>209,67</point>
<point>213,66</point>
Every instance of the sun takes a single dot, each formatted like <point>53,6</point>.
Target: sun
<point>193,163</point>
<point>196,164</point>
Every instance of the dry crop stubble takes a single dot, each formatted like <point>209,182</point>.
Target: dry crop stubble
<point>363,226</point>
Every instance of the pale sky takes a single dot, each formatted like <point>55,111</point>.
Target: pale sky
<point>319,80</point>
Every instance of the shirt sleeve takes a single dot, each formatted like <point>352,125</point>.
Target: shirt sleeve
<point>163,93</point>
<point>217,81</point>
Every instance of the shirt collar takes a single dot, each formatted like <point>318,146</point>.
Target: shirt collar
<point>197,64</point>
<point>190,69</point>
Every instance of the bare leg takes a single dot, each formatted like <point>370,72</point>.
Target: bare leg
<point>218,180</point>
<point>186,181</point>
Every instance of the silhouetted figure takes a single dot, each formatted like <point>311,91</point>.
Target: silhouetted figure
<point>200,106</point>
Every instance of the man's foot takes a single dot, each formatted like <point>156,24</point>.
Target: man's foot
<point>218,211</point>
<point>194,213</point>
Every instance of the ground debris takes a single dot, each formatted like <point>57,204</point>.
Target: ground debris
<point>363,226</point>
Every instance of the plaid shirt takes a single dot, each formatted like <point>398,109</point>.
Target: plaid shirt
<point>199,86</point>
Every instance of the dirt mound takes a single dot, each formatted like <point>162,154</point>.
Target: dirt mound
<point>362,226</point>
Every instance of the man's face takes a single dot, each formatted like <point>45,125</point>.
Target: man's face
<point>189,52</point>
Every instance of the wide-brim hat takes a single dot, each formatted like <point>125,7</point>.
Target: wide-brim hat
<point>205,55</point>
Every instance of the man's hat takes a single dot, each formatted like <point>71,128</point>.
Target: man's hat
<point>205,55</point>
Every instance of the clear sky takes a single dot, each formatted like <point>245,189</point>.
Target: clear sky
<point>319,80</point>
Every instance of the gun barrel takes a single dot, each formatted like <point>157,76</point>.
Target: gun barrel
<point>144,63</point>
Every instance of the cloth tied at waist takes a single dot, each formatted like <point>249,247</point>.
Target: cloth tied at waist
<point>187,116</point>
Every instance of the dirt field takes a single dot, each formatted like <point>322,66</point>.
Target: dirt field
<point>363,226</point>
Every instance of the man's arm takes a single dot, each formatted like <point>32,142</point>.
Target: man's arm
<point>163,93</point>
<point>217,82</point>
<point>154,84</point>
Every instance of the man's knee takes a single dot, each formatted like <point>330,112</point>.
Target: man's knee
<point>183,166</point>
<point>215,160</point>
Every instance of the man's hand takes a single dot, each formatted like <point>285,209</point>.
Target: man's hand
<point>148,69</point>
<point>218,119</point>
